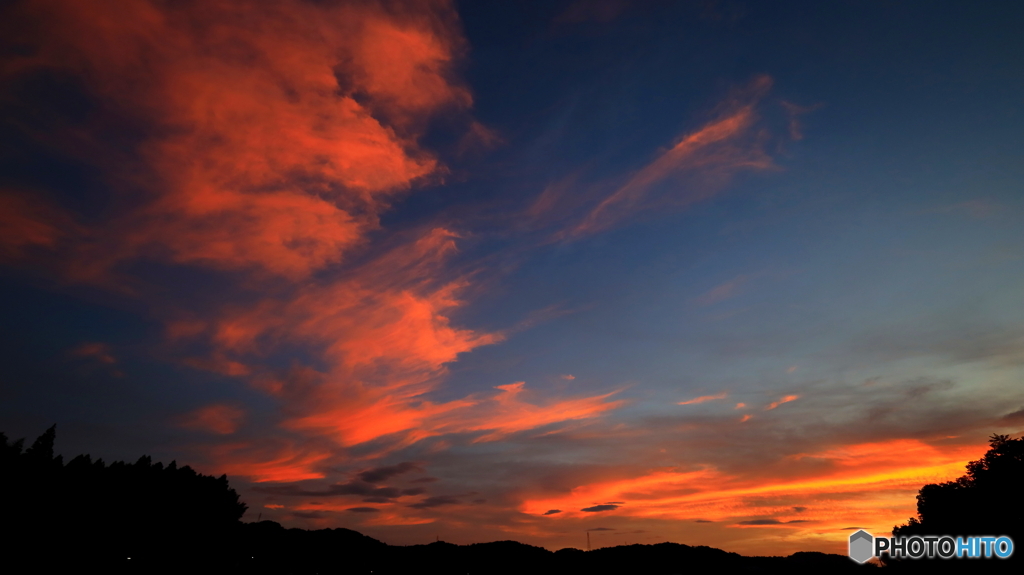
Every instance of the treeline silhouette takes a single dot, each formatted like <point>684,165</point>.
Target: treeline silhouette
<point>88,513</point>
<point>145,517</point>
<point>986,501</point>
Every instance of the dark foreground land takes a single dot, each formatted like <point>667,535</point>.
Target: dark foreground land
<point>319,551</point>
<point>145,517</point>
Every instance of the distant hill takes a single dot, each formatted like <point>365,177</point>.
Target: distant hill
<point>278,550</point>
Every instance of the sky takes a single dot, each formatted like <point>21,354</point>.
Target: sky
<point>722,273</point>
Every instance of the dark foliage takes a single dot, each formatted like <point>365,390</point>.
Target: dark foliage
<point>89,516</point>
<point>89,513</point>
<point>987,500</point>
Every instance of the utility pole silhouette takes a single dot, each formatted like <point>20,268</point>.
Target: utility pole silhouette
<point>588,540</point>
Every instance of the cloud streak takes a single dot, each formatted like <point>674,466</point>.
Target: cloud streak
<point>704,399</point>
<point>712,153</point>
<point>785,399</point>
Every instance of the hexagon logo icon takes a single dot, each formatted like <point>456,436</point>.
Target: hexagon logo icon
<point>861,543</point>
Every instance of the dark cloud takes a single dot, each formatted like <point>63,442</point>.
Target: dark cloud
<point>370,492</point>
<point>963,341</point>
<point>917,388</point>
<point>1015,417</point>
<point>597,508</point>
<point>761,522</point>
<point>378,474</point>
<point>435,501</point>
<point>799,509</point>
<point>702,521</point>
<point>552,511</point>
<point>770,522</point>
<point>424,480</point>
<point>601,529</point>
<point>309,514</point>
<point>361,488</point>
<point>363,509</point>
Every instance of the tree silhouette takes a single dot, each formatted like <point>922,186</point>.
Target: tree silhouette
<point>987,500</point>
<point>87,512</point>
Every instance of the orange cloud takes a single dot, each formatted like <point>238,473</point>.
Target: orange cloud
<point>507,413</point>
<point>704,398</point>
<point>869,484</point>
<point>269,464</point>
<point>217,418</point>
<point>785,399</point>
<point>716,150</point>
<point>277,134</point>
<point>385,338</point>
<point>360,419</point>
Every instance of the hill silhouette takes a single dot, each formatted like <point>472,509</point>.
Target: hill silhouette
<point>145,517</point>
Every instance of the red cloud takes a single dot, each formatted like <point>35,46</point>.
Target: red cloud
<point>275,136</point>
<point>27,221</point>
<point>385,340</point>
<point>279,463</point>
<point>218,418</point>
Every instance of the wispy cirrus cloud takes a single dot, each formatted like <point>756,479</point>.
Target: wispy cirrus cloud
<point>705,398</point>
<point>785,399</point>
<point>708,156</point>
<point>723,291</point>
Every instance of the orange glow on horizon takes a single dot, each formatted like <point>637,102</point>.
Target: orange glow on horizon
<point>871,482</point>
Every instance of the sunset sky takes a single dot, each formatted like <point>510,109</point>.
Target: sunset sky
<point>729,273</point>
